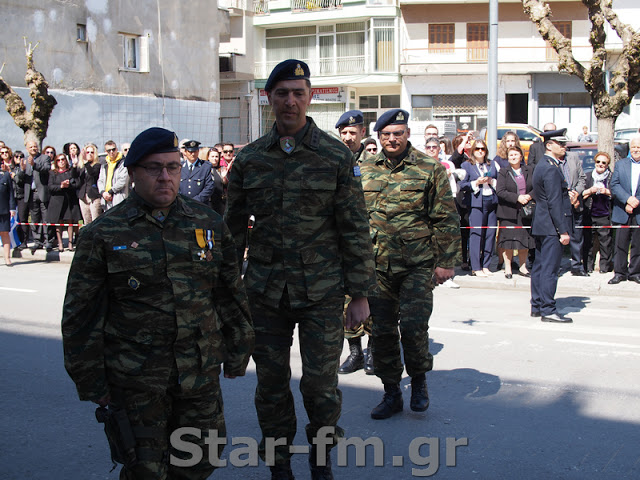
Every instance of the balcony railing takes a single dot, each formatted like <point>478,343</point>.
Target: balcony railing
<point>354,65</point>
<point>261,7</point>
<point>314,5</point>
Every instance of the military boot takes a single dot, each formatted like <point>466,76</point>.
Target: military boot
<point>368,358</point>
<point>282,471</point>
<point>419,395</point>
<point>355,360</point>
<point>320,472</point>
<point>391,402</point>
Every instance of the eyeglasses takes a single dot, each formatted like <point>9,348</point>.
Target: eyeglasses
<point>432,147</point>
<point>4,152</point>
<point>90,152</point>
<point>49,152</point>
<point>18,156</point>
<point>385,135</point>
<point>482,149</point>
<point>227,151</point>
<point>372,149</point>
<point>111,150</point>
<point>600,162</point>
<point>156,170</point>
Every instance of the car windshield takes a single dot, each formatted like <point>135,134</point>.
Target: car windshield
<point>586,157</point>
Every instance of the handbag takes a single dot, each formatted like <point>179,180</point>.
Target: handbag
<point>528,209</point>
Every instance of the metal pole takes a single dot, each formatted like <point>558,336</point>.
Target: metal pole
<point>492,87</point>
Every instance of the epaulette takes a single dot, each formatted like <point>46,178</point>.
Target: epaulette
<point>132,213</point>
<point>315,138</point>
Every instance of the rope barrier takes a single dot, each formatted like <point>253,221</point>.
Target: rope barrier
<point>52,224</point>
<point>577,226</point>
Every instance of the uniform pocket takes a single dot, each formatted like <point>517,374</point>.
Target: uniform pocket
<point>322,271</point>
<point>318,187</point>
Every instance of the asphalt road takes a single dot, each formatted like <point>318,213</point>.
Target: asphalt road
<point>520,399</point>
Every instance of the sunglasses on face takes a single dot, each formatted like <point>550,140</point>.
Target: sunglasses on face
<point>227,151</point>
<point>600,162</point>
<point>18,156</point>
<point>4,152</point>
<point>432,147</point>
<point>482,149</point>
<point>111,150</point>
<point>49,152</point>
<point>372,149</point>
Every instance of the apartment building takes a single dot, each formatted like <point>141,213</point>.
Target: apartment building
<point>116,68</point>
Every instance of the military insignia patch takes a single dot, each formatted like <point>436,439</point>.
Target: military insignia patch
<point>352,120</point>
<point>299,72</point>
<point>400,116</point>
<point>287,144</point>
<point>134,283</point>
<point>159,215</point>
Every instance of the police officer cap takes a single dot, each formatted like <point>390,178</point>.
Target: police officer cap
<point>288,70</point>
<point>153,140</point>
<point>397,116</point>
<point>352,117</point>
<point>192,145</point>
<point>555,135</point>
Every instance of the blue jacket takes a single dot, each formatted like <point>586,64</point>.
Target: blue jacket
<point>473,198</point>
<point>620,187</point>
<point>198,183</point>
<point>553,214</point>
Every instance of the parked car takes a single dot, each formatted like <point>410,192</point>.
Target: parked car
<point>625,134</point>
<point>526,133</point>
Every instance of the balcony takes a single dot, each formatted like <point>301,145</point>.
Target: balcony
<point>299,6</point>
<point>261,7</point>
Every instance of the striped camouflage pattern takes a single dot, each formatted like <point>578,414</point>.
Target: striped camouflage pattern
<point>412,214</point>
<point>142,296</point>
<point>311,230</point>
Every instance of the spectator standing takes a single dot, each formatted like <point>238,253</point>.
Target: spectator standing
<point>576,180</point>
<point>625,189</point>
<point>537,150</point>
<point>22,204</point>
<point>219,195</point>
<point>597,213</point>
<point>514,188</point>
<point>113,182</point>
<point>228,150</point>
<point>584,136</point>
<point>36,190</point>
<point>371,146</point>
<point>63,205</point>
<point>482,202</point>
<point>88,194</point>
<point>7,204</point>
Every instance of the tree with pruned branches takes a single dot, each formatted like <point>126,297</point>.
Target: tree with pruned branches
<point>611,78</point>
<point>35,122</point>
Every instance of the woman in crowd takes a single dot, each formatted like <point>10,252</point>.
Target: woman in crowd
<point>461,148</point>
<point>7,203</point>
<point>88,174</point>
<point>597,205</point>
<point>213,156</point>
<point>460,151</point>
<point>17,176</point>
<point>72,151</point>
<point>514,188</point>
<point>509,139</point>
<point>481,199</point>
<point>446,147</point>
<point>51,151</point>
<point>63,205</point>
<point>218,197</point>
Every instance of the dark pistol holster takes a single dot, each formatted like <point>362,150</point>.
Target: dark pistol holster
<point>122,441</point>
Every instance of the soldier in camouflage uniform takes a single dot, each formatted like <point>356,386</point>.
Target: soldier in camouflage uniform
<point>309,247</point>
<point>352,130</point>
<point>154,306</point>
<point>415,231</point>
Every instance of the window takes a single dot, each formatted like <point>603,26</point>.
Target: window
<point>135,53</point>
<point>369,101</point>
<point>384,49</point>
<point>565,29</point>
<point>477,42</point>
<point>441,38</point>
<point>81,33</point>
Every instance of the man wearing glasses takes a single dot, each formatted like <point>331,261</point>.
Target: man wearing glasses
<point>155,310</point>
<point>551,226</point>
<point>415,230</point>
<point>228,150</point>
<point>35,177</point>
<point>113,182</point>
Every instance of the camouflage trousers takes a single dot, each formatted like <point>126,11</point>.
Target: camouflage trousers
<point>360,330</point>
<point>320,333</point>
<point>162,413</point>
<point>404,300</point>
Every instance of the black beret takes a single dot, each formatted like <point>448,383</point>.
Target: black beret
<point>555,135</point>
<point>352,117</point>
<point>288,70</point>
<point>397,116</point>
<point>153,140</point>
<point>191,145</point>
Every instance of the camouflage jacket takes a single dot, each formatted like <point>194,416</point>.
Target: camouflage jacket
<point>310,232</point>
<point>412,214</point>
<point>144,296</point>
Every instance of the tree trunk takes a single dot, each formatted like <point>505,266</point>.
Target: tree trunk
<point>605,136</point>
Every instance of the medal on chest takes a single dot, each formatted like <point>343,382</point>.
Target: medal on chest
<point>205,240</point>
<point>287,144</point>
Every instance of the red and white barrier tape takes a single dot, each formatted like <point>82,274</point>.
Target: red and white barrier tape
<point>52,224</point>
<point>577,226</point>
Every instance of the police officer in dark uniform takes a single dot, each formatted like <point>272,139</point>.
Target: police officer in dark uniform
<point>552,226</point>
<point>195,180</point>
<point>352,130</point>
